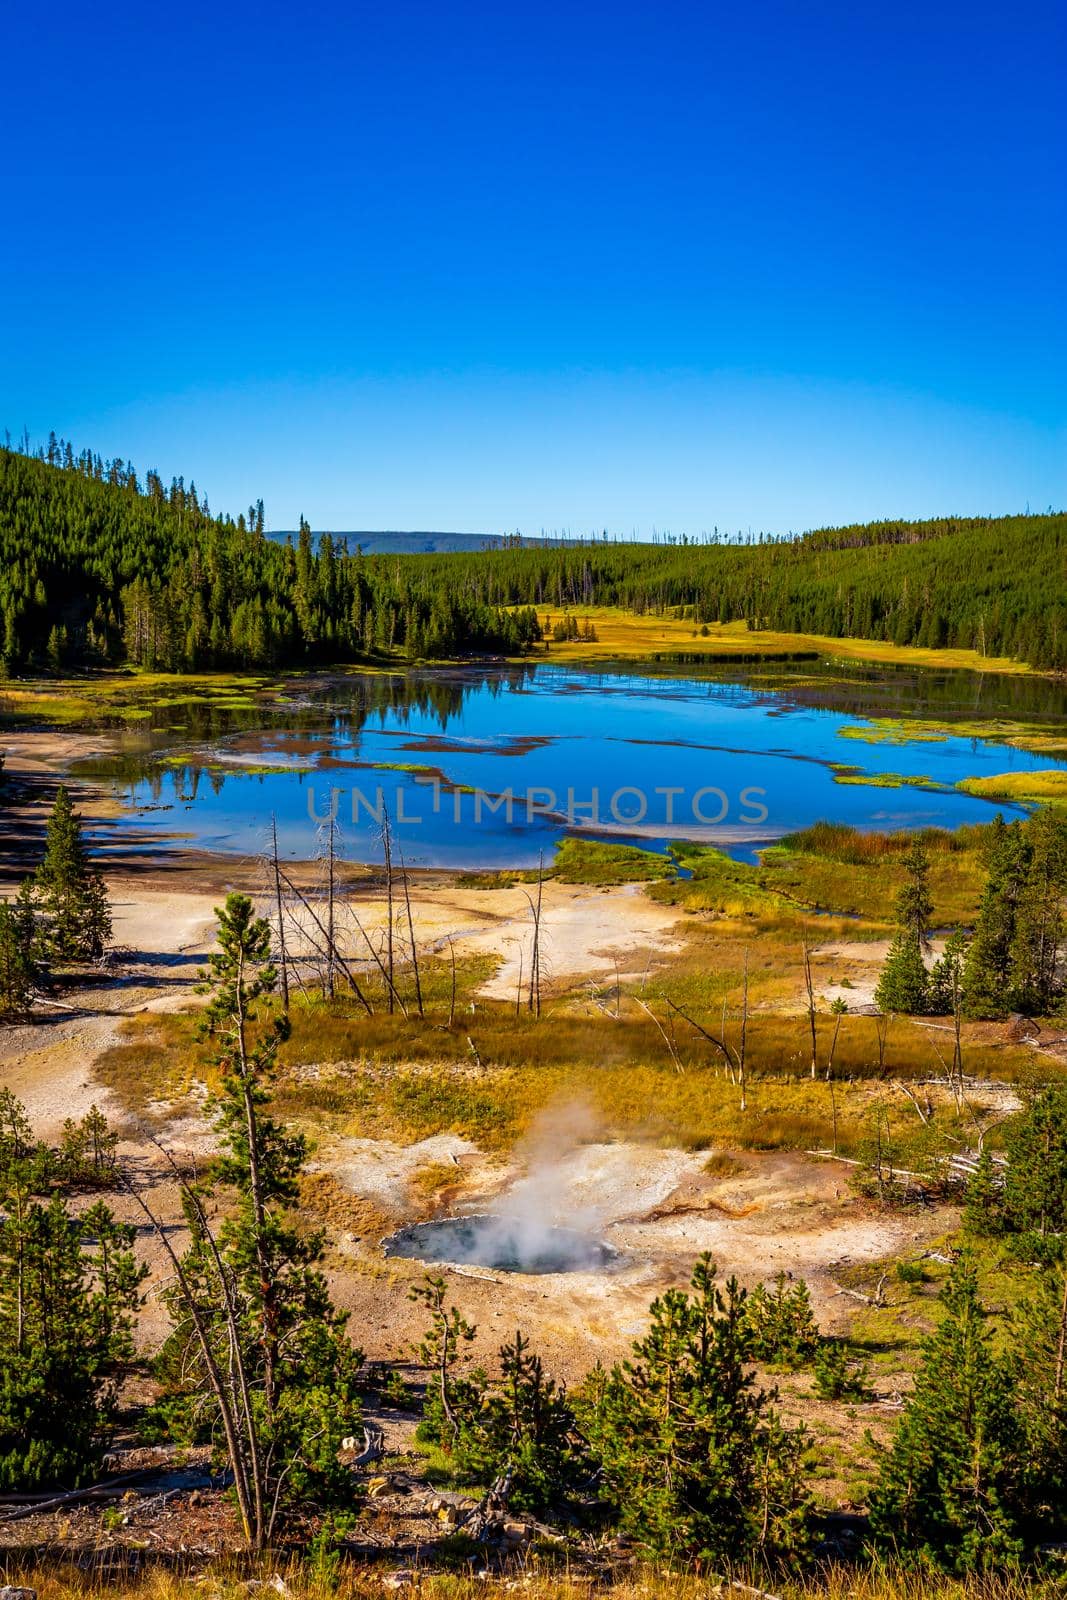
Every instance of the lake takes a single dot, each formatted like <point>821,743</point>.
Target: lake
<point>490,766</point>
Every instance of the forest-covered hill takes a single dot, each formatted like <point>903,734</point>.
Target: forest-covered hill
<point>98,566</point>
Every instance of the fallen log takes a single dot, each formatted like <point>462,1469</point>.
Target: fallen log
<point>93,1491</point>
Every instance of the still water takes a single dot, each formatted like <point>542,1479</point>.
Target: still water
<point>488,767</point>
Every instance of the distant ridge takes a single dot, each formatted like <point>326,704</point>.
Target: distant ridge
<point>392,542</point>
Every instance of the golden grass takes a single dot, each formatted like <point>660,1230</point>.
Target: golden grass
<point>1036,786</point>
<point>436,1186</point>
<point>541,1576</point>
<point>622,635</point>
<point>129,694</point>
<point>693,1106</point>
<point>157,1060</point>
<point>1041,738</point>
<point>489,1075</point>
<point>326,1200</point>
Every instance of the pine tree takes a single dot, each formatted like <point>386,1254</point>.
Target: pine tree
<point>1040,1377</point>
<point>529,1434</point>
<point>1038,937</point>
<point>781,1325</point>
<point>838,1376</point>
<point>18,970</point>
<point>983,1206</point>
<point>988,969</point>
<point>903,984</point>
<point>438,1350</point>
<point>945,992</point>
<point>256,1336</point>
<point>695,1461</point>
<point>1034,1197</point>
<point>69,1287</point>
<point>70,892</point>
<point>951,1487</point>
<point>914,904</point>
<point>87,1151</point>
<point>19,1151</point>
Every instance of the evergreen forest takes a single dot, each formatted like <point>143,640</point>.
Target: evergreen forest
<point>100,565</point>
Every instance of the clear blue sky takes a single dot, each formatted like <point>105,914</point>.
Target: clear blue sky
<point>484,266</point>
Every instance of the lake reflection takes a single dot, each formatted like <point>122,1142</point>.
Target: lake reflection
<point>488,767</point>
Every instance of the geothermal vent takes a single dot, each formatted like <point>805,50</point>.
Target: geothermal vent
<point>508,1244</point>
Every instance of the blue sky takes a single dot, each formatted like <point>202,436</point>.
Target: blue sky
<point>565,267</point>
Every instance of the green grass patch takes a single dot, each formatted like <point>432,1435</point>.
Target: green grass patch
<point>596,861</point>
<point>884,780</point>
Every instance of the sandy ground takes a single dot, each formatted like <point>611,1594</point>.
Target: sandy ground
<point>161,936</point>
<point>160,940</point>
<point>657,1207</point>
<point>864,959</point>
<point>584,931</point>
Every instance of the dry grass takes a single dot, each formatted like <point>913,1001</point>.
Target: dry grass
<point>490,1075</point>
<point>623,636</point>
<point>1034,786</point>
<point>695,1108</point>
<point>436,1186</point>
<point>157,1062</point>
<point>534,1577</point>
<point>327,1201</point>
<point>810,877</point>
<point>647,1070</point>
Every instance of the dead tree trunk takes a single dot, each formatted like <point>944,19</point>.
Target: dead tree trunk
<point>379,963</point>
<point>452,995</point>
<point>1061,1346</point>
<point>337,957</point>
<point>830,1077</point>
<point>283,963</point>
<point>535,957</point>
<point>664,1035</point>
<point>331,942</point>
<point>811,1009</point>
<point>411,930</point>
<point>744,1040</point>
<point>231,1388</point>
<point>387,846</point>
<point>881,1029</point>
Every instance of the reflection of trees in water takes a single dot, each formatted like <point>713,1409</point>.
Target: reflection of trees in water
<point>849,688</point>
<point>322,707</point>
<point>437,694</point>
<point>325,707</point>
<point>887,689</point>
<point>956,696</point>
<point>348,705</point>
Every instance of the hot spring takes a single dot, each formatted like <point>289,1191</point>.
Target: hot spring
<point>507,1244</point>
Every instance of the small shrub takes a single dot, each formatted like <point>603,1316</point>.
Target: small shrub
<point>87,1152</point>
<point>721,1164</point>
<point>781,1327</point>
<point>837,1376</point>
